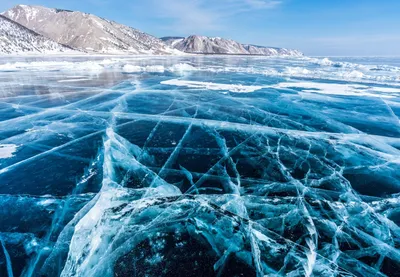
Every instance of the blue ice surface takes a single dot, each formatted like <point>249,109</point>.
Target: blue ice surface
<point>199,166</point>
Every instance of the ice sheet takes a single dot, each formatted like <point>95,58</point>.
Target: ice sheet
<point>303,67</point>
<point>216,166</point>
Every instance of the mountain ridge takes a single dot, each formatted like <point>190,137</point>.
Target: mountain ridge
<point>216,45</point>
<point>87,32</point>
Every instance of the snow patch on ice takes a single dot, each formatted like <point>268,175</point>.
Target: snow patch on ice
<point>7,150</point>
<point>73,80</point>
<point>212,86</point>
<point>296,71</point>
<point>128,68</point>
<point>340,89</point>
<point>325,61</point>
<point>176,68</point>
<point>182,67</point>
<point>155,68</point>
<point>53,65</point>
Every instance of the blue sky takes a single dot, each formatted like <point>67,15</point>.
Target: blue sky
<point>316,27</point>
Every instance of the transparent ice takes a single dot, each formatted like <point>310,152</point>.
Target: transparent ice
<point>199,166</point>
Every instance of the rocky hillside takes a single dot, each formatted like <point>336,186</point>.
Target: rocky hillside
<point>87,32</point>
<point>16,39</point>
<point>217,45</point>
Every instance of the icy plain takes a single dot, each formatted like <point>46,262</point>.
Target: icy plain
<point>199,166</point>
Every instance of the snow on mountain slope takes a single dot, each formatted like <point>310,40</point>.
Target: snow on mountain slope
<point>217,45</point>
<point>16,39</point>
<point>270,51</point>
<point>172,41</point>
<point>86,31</point>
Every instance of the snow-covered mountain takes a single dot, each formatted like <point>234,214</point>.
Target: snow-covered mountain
<point>16,39</point>
<point>90,33</point>
<point>217,45</point>
<point>86,31</point>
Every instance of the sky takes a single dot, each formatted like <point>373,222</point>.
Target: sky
<point>315,27</point>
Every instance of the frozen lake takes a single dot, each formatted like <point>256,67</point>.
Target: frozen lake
<point>199,166</point>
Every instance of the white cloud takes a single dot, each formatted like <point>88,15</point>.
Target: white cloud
<point>193,16</point>
<point>358,39</point>
<point>187,15</point>
<point>262,4</point>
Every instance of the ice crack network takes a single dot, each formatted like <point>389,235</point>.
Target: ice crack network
<point>136,168</point>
